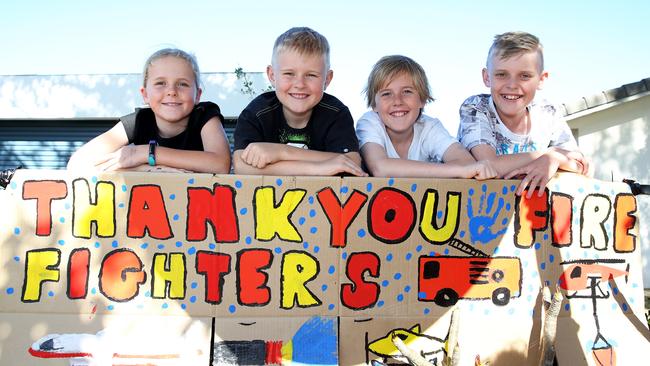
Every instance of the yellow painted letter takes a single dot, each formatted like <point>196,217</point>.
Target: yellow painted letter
<point>272,220</point>
<point>439,235</point>
<point>85,212</point>
<point>298,268</point>
<point>40,265</point>
<point>174,275</point>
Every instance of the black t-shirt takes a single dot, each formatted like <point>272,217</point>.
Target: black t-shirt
<point>330,127</point>
<point>141,127</point>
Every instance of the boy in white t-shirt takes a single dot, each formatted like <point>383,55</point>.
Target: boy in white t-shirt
<point>521,136</point>
<point>397,140</point>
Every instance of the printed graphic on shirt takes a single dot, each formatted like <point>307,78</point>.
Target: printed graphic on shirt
<point>295,138</point>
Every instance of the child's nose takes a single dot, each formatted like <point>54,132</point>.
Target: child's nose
<point>171,90</point>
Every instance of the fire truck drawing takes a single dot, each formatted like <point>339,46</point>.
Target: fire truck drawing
<point>444,280</point>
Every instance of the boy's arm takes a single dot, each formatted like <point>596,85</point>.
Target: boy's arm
<point>97,150</point>
<point>331,164</point>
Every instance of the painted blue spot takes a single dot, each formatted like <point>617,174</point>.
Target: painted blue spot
<point>323,288</point>
<point>537,246</point>
<point>62,219</point>
<point>17,258</point>
<point>13,185</point>
<point>545,236</point>
<point>426,311</point>
<point>176,217</point>
<point>121,205</point>
<point>277,250</point>
<point>301,221</point>
<point>144,245</point>
<point>635,285</point>
<point>344,255</point>
<point>471,191</point>
<point>407,288</point>
<point>331,269</point>
<point>123,187</point>
<point>110,307</point>
<point>191,181</point>
<point>50,293</point>
<point>400,297</point>
<point>391,181</point>
<point>615,289</point>
<point>183,306</point>
<point>504,221</point>
<point>432,254</point>
<point>114,244</point>
<point>212,246</point>
<point>512,188</point>
<point>191,251</point>
<point>414,187</point>
<point>305,245</point>
<point>408,256</point>
<point>161,246</point>
<point>369,187</point>
<point>61,242</point>
<point>397,276</point>
<point>389,257</point>
<point>567,307</point>
<point>316,249</point>
<point>446,251</point>
<point>380,303</point>
<point>17,231</point>
<point>232,309</point>
<point>243,211</point>
<point>581,190</point>
<point>330,307</point>
<point>542,265</point>
<point>361,233</point>
<point>93,291</point>
<point>439,214</point>
<point>179,244</point>
<point>165,305</point>
<point>278,182</point>
<point>312,213</point>
<point>462,233</point>
<point>508,207</point>
<point>192,299</point>
<point>624,306</point>
<point>238,184</point>
<point>10,290</point>
<point>344,189</point>
<point>67,206</point>
<point>504,191</point>
<point>147,294</point>
<point>194,285</point>
<point>310,199</point>
<point>385,283</point>
<point>418,248</point>
<point>484,188</point>
<point>551,258</point>
<point>93,179</point>
<point>316,342</point>
<point>248,240</point>
<point>172,196</point>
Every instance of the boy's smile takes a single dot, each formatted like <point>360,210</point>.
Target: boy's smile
<point>398,105</point>
<point>299,82</point>
<point>513,83</point>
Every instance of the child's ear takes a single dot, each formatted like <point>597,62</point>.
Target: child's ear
<point>486,77</point>
<point>542,79</point>
<point>328,78</point>
<point>145,98</point>
<point>270,74</point>
<point>199,91</point>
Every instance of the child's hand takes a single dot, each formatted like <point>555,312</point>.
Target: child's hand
<point>261,154</point>
<point>536,174</point>
<point>126,157</point>
<point>482,170</point>
<point>340,164</point>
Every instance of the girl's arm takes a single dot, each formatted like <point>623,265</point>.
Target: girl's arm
<point>98,150</point>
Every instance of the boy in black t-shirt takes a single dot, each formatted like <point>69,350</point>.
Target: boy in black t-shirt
<point>297,129</point>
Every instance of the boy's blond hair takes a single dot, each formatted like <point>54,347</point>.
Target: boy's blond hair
<point>305,41</point>
<point>511,44</point>
<point>388,68</point>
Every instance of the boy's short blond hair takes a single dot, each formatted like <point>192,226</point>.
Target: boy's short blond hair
<point>305,41</point>
<point>511,44</point>
<point>388,68</point>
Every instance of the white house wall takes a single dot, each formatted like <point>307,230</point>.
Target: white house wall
<point>617,138</point>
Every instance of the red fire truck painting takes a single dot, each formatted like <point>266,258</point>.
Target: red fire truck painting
<point>444,280</point>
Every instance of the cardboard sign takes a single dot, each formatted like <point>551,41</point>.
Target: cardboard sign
<point>178,269</point>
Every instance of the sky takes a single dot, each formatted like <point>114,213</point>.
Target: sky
<point>589,46</point>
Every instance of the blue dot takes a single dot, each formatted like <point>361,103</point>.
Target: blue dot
<point>426,311</point>
<point>323,288</point>
<point>310,200</point>
<point>114,244</point>
<point>504,221</point>
<point>301,221</point>
<point>484,187</point>
<point>581,190</point>
<point>179,244</point>
<point>471,191</point>
<point>248,240</point>
<point>542,265</point>
<point>508,207</point>
<point>13,185</point>
<point>615,289</point>
<point>624,306</point>
<point>551,258</point>
<point>121,205</point>
<point>385,283</point>
<point>93,179</point>
<point>389,257</point>
<point>17,258</point>
<point>567,307</point>
<point>361,233</point>
<point>243,211</point>
<point>147,294</point>
<point>344,189</point>
<point>331,269</point>
<point>313,230</point>
<point>344,255</point>
<point>316,249</point>
<point>278,182</point>
<point>10,290</point>
<point>439,214</point>
<point>183,306</point>
<point>397,276</point>
<point>432,254</point>
<point>408,256</point>
<point>172,196</point>
<point>277,250</point>
<point>176,217</point>
<point>331,307</point>
<point>545,236</point>
<point>512,188</point>
<point>123,187</point>
<point>414,187</point>
<point>400,297</point>
<point>391,181</point>
<point>418,248</point>
<point>93,291</point>
<point>17,231</point>
<point>191,181</point>
<point>238,184</point>
<point>194,285</point>
<point>50,293</point>
<point>462,233</point>
<point>537,246</point>
<point>446,251</point>
<point>191,251</point>
<point>165,305</point>
<point>232,308</point>
<point>192,299</point>
<point>144,245</point>
<point>312,213</point>
<point>305,245</point>
<point>62,220</point>
<point>110,307</point>
<point>369,187</point>
<point>212,246</point>
<point>67,206</point>
<point>161,246</point>
<point>422,295</point>
<point>407,288</point>
<point>380,303</point>
<point>504,190</point>
<point>61,242</point>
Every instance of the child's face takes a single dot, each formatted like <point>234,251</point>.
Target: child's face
<point>299,82</point>
<point>171,90</point>
<point>513,82</point>
<point>398,104</point>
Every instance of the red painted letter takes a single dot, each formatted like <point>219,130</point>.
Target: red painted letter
<point>147,212</point>
<point>215,208</point>
<point>214,266</point>
<point>121,275</point>
<point>561,217</point>
<point>391,215</point>
<point>340,217</point>
<point>78,273</point>
<point>251,281</point>
<point>531,214</point>
<point>360,294</point>
<point>44,192</point>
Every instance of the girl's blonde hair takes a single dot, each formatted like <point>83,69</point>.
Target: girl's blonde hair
<point>172,52</point>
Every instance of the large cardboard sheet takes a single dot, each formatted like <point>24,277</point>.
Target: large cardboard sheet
<point>177,269</point>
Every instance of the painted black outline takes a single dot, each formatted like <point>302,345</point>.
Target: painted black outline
<point>345,229</point>
<point>592,243</point>
<point>50,267</point>
<point>260,270</point>
<point>207,220</point>
<point>434,215</point>
<point>74,211</point>
<point>145,229</point>
<point>369,216</point>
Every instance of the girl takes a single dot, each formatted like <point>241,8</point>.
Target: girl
<point>397,140</point>
<point>176,132</point>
